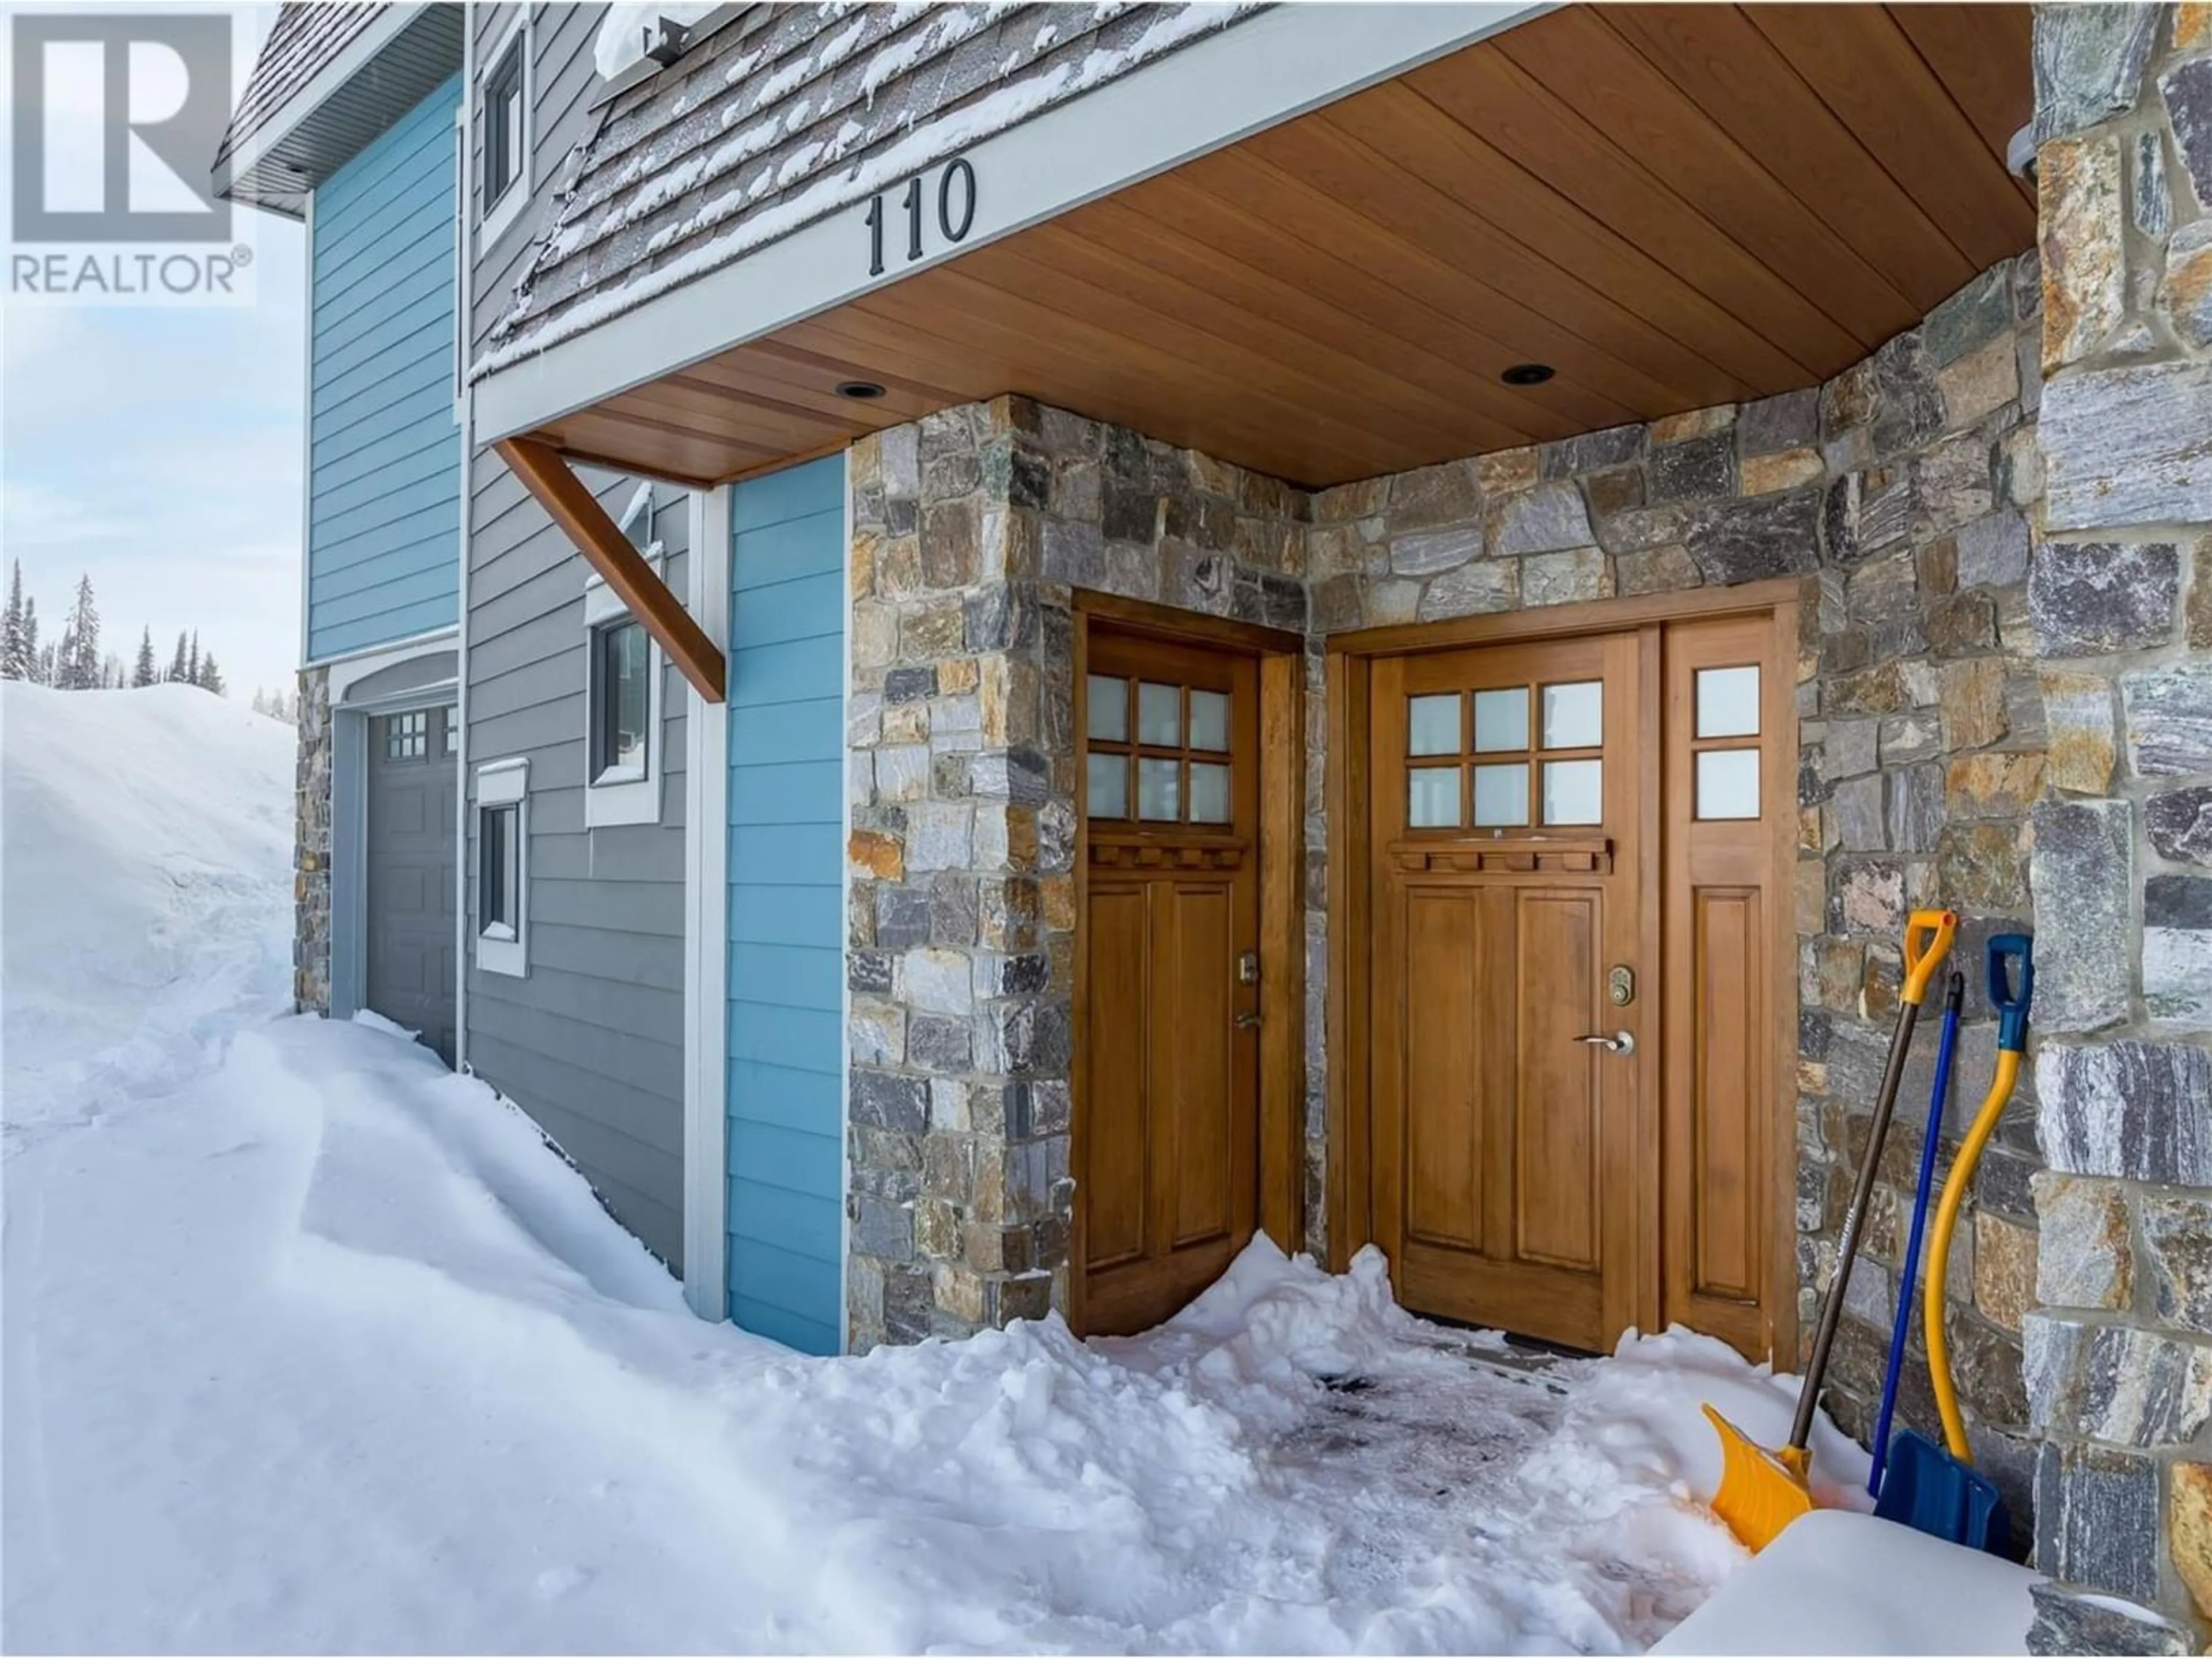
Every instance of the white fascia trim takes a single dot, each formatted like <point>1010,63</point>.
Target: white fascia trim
<point>706,933</point>
<point>388,651</point>
<point>620,801</point>
<point>346,673</point>
<point>381,32</point>
<point>509,208</point>
<point>1252,75</point>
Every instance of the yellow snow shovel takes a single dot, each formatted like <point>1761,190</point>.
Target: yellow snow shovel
<point>1762,1491</point>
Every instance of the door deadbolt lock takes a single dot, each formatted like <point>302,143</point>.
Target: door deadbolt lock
<point>1620,985</point>
<point>1248,967</point>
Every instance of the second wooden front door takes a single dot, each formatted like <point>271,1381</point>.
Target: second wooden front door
<point>1168,1147</point>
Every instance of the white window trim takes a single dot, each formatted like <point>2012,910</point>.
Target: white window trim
<point>505,783</point>
<point>495,218</point>
<point>625,796</point>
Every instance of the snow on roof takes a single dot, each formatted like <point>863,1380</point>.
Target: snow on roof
<point>786,117</point>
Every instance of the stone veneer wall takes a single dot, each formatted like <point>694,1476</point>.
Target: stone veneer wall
<point>1998,712</point>
<point>1901,494</point>
<point>311,844</point>
<point>2120,1349</point>
<point>971,530</point>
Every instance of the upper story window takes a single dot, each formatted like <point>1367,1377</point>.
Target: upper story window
<point>623,680</point>
<point>503,127</point>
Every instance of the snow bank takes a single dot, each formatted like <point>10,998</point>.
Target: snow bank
<point>1840,1583</point>
<point>145,840</point>
<point>329,1351</point>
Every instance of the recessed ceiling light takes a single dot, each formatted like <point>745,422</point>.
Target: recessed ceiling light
<point>861,389</point>
<point>1527,375</point>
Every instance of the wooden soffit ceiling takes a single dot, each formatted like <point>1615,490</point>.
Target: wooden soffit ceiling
<point>1673,206</point>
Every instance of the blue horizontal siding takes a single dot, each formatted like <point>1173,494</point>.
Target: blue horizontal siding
<point>384,487</point>
<point>786,963</point>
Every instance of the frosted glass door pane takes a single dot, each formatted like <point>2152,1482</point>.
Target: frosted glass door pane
<point>1107,777</point>
<point>1501,795</point>
<point>1433,798</point>
<point>1728,703</point>
<point>1209,792</point>
<point>1107,717</point>
<point>1159,715</point>
<point>1728,783</point>
<point>1573,716</point>
<point>1209,721</point>
<point>1574,792</point>
<point>1158,790</point>
<point>1432,725</point>
<point>1501,719</point>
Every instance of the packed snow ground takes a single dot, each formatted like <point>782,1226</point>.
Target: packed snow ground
<point>311,1346</point>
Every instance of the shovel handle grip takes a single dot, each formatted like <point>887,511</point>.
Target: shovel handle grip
<point>1927,936</point>
<point>2011,1005</point>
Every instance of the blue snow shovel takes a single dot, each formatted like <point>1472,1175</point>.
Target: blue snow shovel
<point>1936,1489</point>
<point>1954,994</point>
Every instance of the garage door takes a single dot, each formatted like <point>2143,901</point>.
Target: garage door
<point>409,901</point>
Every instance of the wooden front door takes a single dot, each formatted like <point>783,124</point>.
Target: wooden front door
<point>1167,1149</point>
<point>1573,1072</point>
<point>1506,800</point>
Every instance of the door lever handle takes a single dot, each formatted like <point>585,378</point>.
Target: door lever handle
<point>1616,1043</point>
<point>1247,1022</point>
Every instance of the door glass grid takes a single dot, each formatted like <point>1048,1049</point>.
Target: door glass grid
<point>1725,774</point>
<point>1504,757</point>
<point>1178,768</point>
<point>407,737</point>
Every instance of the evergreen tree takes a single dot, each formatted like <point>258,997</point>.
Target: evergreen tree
<point>113,676</point>
<point>31,660</point>
<point>48,667</point>
<point>15,661</point>
<point>81,664</point>
<point>177,668</point>
<point>192,661</point>
<point>211,676</point>
<point>144,674</point>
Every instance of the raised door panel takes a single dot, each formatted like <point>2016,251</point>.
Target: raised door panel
<point>1444,1149</point>
<point>1727,1138</point>
<point>1558,1103</point>
<point>1116,1147</point>
<point>1194,1066</point>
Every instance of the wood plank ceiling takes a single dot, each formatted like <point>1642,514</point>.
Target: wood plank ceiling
<point>1671,205</point>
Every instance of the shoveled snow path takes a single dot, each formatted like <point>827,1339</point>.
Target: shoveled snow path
<point>308,1345</point>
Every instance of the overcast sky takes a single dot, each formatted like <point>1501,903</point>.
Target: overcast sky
<point>158,449</point>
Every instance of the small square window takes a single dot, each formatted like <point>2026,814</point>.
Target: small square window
<point>1574,715</point>
<point>1501,720</point>
<point>1433,798</point>
<point>1106,709</point>
<point>1209,792</point>
<point>450,721</point>
<point>1501,795</point>
<point>1728,701</point>
<point>1209,721</point>
<point>1727,784</point>
<point>1432,723</point>
<point>1574,792</point>
<point>503,124</point>
<point>1159,715</point>
<point>407,737</point>
<point>622,688</point>
<point>1106,786</point>
<point>1159,790</point>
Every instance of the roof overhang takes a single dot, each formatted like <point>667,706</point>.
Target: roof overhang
<point>1311,244</point>
<point>1267,69</point>
<point>396,59</point>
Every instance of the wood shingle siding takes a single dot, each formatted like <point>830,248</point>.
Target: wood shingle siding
<point>778,118</point>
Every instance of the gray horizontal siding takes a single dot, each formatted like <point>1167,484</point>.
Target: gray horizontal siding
<point>590,1043</point>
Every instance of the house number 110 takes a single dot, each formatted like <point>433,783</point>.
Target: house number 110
<point>956,212</point>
